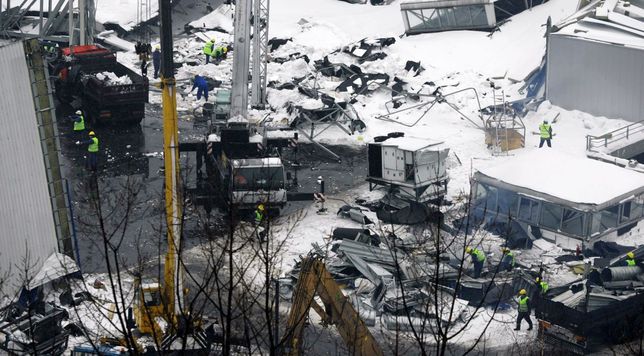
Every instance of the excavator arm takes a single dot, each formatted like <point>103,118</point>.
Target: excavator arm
<point>337,310</point>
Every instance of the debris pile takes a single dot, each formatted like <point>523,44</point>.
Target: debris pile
<point>112,79</point>
<point>383,280</point>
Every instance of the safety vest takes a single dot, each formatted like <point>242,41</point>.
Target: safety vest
<point>79,125</point>
<point>510,256</point>
<point>630,262</point>
<point>523,304</point>
<point>207,49</point>
<point>93,147</point>
<point>544,287</point>
<point>258,216</point>
<point>544,130</point>
<point>480,256</point>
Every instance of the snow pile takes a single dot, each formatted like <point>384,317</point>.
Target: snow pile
<point>122,12</point>
<point>221,19</point>
<point>112,79</point>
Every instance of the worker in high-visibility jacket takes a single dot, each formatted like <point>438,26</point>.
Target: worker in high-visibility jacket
<point>542,286</point>
<point>79,124</point>
<point>220,53</point>
<point>208,49</point>
<point>259,222</point>
<point>478,258</point>
<point>630,259</point>
<point>507,261</point>
<point>524,309</point>
<point>259,214</point>
<point>545,133</point>
<point>92,151</point>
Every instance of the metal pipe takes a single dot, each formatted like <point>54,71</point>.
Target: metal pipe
<point>614,274</point>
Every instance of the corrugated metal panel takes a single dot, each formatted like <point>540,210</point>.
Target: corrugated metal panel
<point>599,78</point>
<point>26,221</point>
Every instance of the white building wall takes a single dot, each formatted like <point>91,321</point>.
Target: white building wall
<point>26,222</point>
<point>596,77</point>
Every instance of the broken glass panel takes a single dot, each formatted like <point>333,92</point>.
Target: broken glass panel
<point>551,216</point>
<point>573,222</point>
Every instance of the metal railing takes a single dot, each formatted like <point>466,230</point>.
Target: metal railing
<point>622,133</point>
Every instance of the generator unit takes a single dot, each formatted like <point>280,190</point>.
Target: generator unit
<point>412,169</point>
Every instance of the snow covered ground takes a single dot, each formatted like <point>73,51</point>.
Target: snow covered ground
<point>458,60</point>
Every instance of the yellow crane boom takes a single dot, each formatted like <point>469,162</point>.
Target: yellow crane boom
<point>315,280</point>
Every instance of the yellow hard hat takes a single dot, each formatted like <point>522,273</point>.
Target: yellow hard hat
<point>91,133</point>
<point>468,249</point>
<point>505,249</point>
<point>523,292</point>
<point>260,207</point>
<point>630,255</point>
<point>537,279</point>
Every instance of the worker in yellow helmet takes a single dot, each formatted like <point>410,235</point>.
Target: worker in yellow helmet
<point>259,221</point>
<point>478,258</point>
<point>507,260</point>
<point>92,151</point>
<point>524,310</point>
<point>541,285</point>
<point>259,214</point>
<point>630,259</point>
<point>208,49</point>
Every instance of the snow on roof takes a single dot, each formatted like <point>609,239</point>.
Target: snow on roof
<point>579,180</point>
<point>411,143</point>
<point>445,3</point>
<point>55,267</point>
<point>602,31</point>
<point>617,22</point>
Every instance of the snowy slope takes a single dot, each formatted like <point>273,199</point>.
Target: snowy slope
<point>122,12</point>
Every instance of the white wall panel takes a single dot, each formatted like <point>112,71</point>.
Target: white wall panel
<point>26,221</point>
<point>595,77</point>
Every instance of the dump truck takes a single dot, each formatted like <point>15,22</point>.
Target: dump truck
<point>586,326</point>
<point>90,78</point>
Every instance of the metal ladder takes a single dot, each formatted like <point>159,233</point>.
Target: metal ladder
<point>260,53</point>
<point>498,116</point>
<point>50,145</point>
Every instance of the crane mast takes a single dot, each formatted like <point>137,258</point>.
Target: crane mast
<point>241,61</point>
<point>173,285</point>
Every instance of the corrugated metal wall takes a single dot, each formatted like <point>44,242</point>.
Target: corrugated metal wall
<point>26,221</point>
<point>597,78</point>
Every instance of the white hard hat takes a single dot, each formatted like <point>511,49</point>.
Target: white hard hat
<point>78,112</point>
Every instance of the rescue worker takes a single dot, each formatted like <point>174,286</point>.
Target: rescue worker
<point>524,310</point>
<point>220,53</point>
<point>541,285</point>
<point>79,124</point>
<point>208,49</point>
<point>478,257</point>
<point>202,87</point>
<point>507,261</point>
<point>259,222</point>
<point>92,151</point>
<point>630,259</point>
<point>144,67</point>
<point>156,60</point>
<point>259,214</point>
<point>545,132</point>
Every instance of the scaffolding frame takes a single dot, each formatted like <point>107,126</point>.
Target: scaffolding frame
<point>53,23</point>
